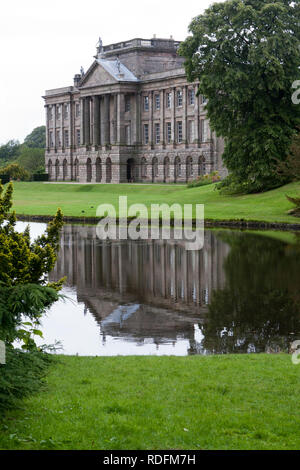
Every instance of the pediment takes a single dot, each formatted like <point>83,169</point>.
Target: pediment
<point>96,76</point>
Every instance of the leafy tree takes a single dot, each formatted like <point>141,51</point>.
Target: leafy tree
<point>37,138</point>
<point>9,151</point>
<point>24,266</point>
<point>290,168</point>
<point>15,172</point>
<point>32,159</point>
<point>245,54</point>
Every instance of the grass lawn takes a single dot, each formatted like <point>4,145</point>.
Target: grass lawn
<point>43,199</point>
<point>216,402</point>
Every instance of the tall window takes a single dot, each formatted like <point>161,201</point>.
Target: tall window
<point>66,137</point>
<point>50,113</point>
<point>78,137</point>
<point>146,103</point>
<point>157,102</point>
<point>157,133</point>
<point>169,132</point>
<point>58,139</point>
<point>51,139</point>
<point>191,96</point>
<point>127,103</point>
<point>66,111</point>
<point>146,133</point>
<point>179,132</point>
<point>77,110</point>
<point>169,100</point>
<point>58,114</point>
<point>179,98</point>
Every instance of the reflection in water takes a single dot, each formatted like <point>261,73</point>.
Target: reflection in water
<point>240,293</point>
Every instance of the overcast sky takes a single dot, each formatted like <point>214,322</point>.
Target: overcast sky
<point>44,43</point>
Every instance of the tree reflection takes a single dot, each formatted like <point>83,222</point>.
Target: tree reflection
<point>258,309</point>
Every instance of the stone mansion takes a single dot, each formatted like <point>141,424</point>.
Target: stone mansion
<point>132,117</point>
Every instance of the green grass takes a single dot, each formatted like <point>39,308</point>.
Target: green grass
<point>216,402</point>
<point>43,199</point>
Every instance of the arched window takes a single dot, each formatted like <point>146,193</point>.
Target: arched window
<point>50,169</point>
<point>89,170</point>
<point>76,169</point>
<point>201,166</point>
<point>98,170</point>
<point>56,169</point>
<point>65,169</point>
<point>108,170</point>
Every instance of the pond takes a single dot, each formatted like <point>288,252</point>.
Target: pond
<point>239,294</point>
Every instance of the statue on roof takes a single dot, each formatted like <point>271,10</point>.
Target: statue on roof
<point>81,71</point>
<point>99,47</point>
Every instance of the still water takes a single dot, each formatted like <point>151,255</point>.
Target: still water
<point>239,294</point>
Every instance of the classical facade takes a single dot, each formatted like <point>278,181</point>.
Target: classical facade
<point>132,117</point>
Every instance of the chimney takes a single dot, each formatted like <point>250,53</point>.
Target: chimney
<point>77,79</point>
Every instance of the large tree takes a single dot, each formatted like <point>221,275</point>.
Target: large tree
<point>245,54</point>
<point>37,138</point>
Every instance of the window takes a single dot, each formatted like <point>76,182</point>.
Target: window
<point>146,103</point>
<point>169,100</point>
<point>146,133</point>
<point>50,114</point>
<point>157,133</point>
<point>66,136</point>
<point>191,96</point>
<point>58,139</point>
<point>179,98</point>
<point>169,132</point>
<point>157,102</point>
<point>127,103</point>
<point>204,130</point>
<point>127,135</point>
<point>51,139</point>
<point>78,136</point>
<point>191,131</point>
<point>66,111</point>
<point>77,110</point>
<point>179,132</point>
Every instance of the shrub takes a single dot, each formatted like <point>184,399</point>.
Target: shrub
<point>204,180</point>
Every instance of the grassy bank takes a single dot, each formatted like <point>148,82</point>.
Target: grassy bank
<point>43,199</point>
<point>220,402</point>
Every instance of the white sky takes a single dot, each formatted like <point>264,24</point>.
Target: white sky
<point>44,43</point>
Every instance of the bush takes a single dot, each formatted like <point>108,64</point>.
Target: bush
<point>204,180</point>
<point>21,375</point>
<point>4,179</point>
<point>41,177</point>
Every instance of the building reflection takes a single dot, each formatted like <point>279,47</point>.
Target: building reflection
<point>141,290</point>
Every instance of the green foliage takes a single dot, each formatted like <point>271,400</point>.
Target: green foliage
<point>245,54</point>
<point>290,168</point>
<point>15,172</point>
<point>204,180</point>
<point>32,159</point>
<point>37,138</point>
<point>296,202</point>
<point>21,375</point>
<point>9,151</point>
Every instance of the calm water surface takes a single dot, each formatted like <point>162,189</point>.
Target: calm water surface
<point>239,294</point>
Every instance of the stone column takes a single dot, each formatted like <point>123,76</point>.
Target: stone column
<point>96,128</point>
<point>138,131</point>
<point>197,122</point>
<point>184,117</point>
<point>173,138</point>
<point>162,118</point>
<point>82,126</point>
<point>54,127</point>
<point>87,121</point>
<point>106,119</point>
<point>120,118</point>
<point>151,119</point>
